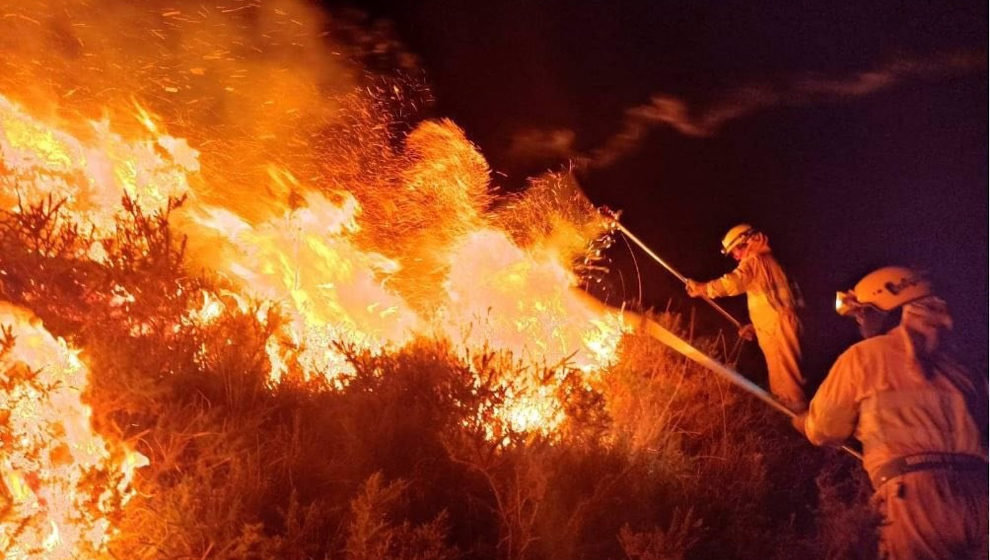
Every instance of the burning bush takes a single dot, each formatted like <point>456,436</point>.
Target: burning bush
<point>61,483</point>
<point>402,462</point>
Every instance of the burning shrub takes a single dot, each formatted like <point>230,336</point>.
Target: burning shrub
<point>402,459</point>
<point>61,485</point>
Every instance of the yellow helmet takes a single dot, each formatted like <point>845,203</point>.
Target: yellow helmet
<point>884,289</point>
<point>735,236</point>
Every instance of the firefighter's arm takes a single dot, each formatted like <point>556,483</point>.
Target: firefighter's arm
<point>834,411</point>
<point>731,284</point>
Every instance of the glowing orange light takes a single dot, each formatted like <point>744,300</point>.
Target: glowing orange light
<point>50,452</point>
<point>375,259</point>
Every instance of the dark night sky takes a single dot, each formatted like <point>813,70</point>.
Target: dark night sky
<point>842,185</point>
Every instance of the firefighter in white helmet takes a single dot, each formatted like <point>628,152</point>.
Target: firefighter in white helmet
<point>772,307</point>
<point>919,414</point>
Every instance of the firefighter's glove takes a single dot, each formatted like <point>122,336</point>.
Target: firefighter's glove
<point>747,332</point>
<point>798,422</point>
<point>694,289</point>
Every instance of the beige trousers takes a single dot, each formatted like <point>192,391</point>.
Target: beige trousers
<point>778,337</point>
<point>934,515</point>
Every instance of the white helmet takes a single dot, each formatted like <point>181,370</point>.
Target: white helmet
<point>735,236</point>
<point>884,289</point>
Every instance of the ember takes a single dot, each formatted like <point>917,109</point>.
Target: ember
<point>297,196</point>
<point>371,261</point>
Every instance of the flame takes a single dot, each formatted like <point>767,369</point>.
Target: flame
<point>524,301</point>
<point>309,259</point>
<point>298,193</point>
<point>41,160</point>
<point>60,480</point>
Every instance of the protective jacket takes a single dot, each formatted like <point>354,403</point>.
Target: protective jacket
<point>919,414</point>
<point>772,310</point>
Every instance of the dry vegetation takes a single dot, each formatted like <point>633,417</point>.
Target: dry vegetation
<point>662,461</point>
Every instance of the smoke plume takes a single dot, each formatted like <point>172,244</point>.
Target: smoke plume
<point>665,110</point>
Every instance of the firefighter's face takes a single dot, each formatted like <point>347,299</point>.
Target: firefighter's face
<point>738,251</point>
<point>871,321</point>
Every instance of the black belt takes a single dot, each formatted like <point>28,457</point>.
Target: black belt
<point>924,462</point>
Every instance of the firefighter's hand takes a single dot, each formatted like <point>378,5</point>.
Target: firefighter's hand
<point>694,289</point>
<point>798,423</point>
<point>747,332</point>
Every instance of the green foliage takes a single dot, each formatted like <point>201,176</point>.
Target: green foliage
<point>658,460</point>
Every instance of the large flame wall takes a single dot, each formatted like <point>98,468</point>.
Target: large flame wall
<point>309,184</point>
<point>300,190</point>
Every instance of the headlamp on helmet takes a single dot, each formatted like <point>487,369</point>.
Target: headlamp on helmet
<point>884,289</point>
<point>846,303</point>
<point>736,237</point>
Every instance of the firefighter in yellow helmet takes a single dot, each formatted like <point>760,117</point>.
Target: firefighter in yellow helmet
<point>772,307</point>
<point>919,414</point>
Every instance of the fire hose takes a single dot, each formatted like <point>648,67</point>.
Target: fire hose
<point>682,347</point>
<point>673,271</point>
